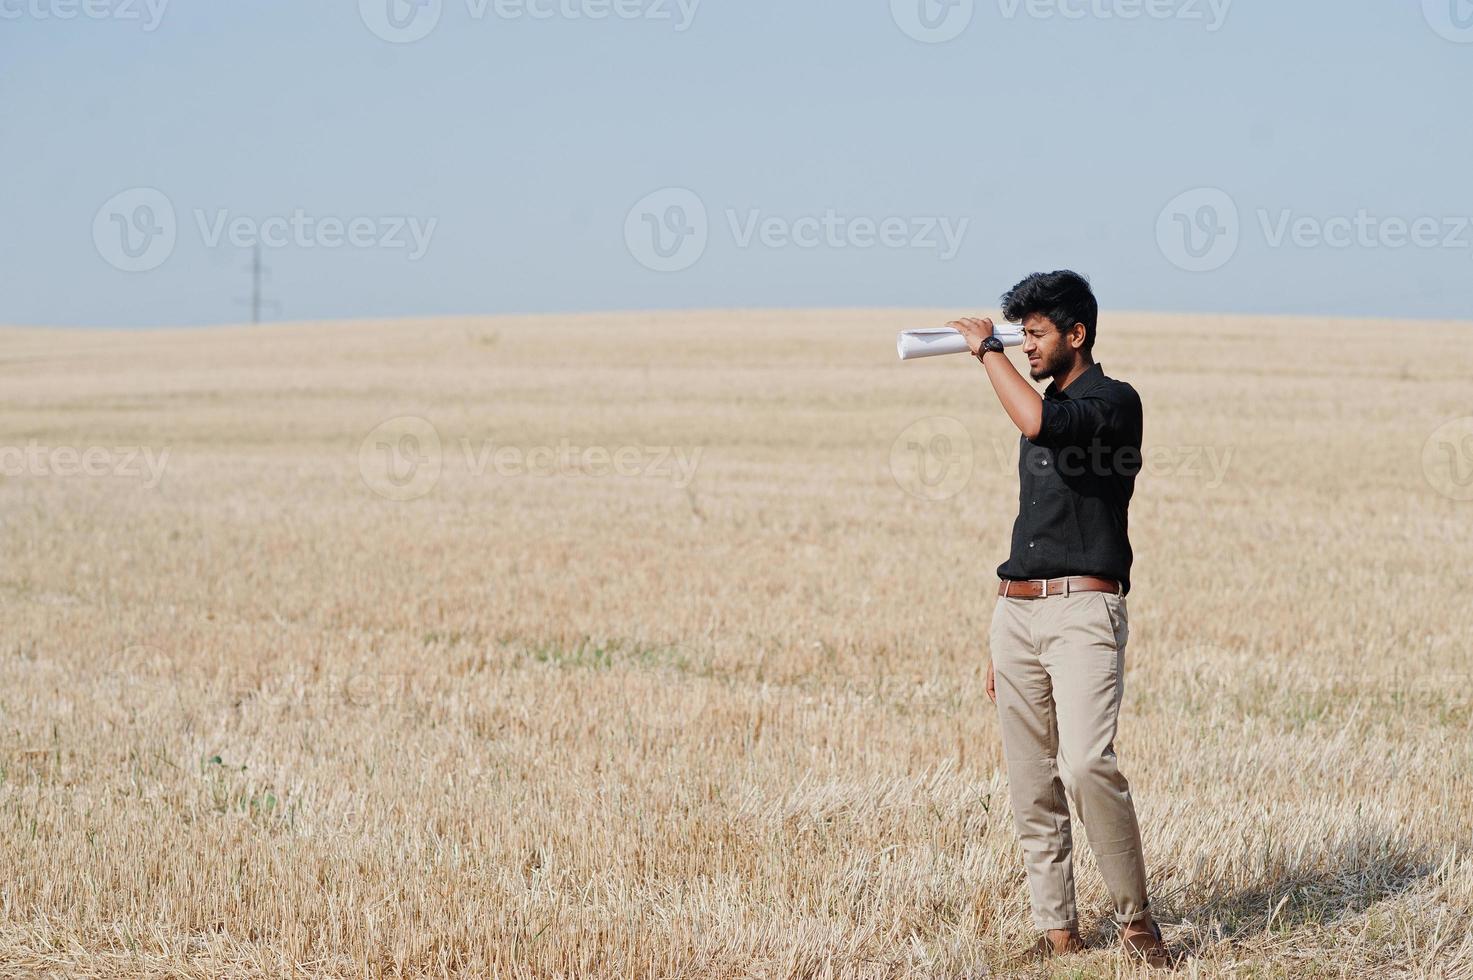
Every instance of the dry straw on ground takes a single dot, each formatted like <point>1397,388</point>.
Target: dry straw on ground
<point>260,718</point>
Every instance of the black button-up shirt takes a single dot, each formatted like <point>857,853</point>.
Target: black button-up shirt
<point>1075,483</point>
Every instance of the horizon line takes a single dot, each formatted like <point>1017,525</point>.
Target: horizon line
<point>686,311</point>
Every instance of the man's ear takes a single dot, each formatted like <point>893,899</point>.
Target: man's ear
<point>1077,335</point>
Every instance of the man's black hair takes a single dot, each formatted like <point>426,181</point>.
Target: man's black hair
<point>1063,296</point>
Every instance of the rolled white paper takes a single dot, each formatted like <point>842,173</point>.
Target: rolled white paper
<point>947,340</point>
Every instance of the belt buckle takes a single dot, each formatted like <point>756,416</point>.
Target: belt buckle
<point>1042,587</point>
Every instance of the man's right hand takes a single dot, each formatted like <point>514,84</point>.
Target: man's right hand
<point>991,688</point>
<point>975,330</point>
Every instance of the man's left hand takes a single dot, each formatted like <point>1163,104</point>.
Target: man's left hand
<point>974,329</point>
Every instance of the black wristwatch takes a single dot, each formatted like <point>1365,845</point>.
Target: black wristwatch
<point>989,343</point>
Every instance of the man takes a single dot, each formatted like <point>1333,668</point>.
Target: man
<point>1059,628</point>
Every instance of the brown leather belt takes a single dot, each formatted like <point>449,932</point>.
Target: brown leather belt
<point>1037,588</point>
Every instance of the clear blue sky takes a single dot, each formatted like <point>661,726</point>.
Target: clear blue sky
<point>1060,135</point>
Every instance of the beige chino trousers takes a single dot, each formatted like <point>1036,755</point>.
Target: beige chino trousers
<point>1059,672</point>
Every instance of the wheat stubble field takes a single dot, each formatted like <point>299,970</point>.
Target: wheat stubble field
<point>260,718</point>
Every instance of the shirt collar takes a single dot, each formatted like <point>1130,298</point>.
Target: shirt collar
<point>1081,385</point>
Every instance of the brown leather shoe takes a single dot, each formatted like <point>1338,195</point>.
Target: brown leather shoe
<point>1057,942</point>
<point>1149,947</point>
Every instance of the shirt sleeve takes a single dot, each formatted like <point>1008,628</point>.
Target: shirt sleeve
<point>1076,421</point>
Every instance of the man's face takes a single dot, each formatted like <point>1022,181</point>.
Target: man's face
<point>1047,347</point>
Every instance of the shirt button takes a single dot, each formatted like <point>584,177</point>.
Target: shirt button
<point>1030,544</point>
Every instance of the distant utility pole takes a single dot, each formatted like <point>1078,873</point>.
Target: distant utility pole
<point>258,273</point>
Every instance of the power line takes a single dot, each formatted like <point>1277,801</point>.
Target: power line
<point>258,274</point>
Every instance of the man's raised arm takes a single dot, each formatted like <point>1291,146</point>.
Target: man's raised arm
<point>1019,399</point>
